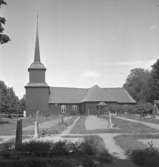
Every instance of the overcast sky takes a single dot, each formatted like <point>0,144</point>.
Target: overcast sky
<point>82,42</point>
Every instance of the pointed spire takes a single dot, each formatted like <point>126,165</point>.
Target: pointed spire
<point>37,63</point>
<point>37,48</point>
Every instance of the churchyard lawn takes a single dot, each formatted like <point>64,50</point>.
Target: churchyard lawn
<point>8,125</point>
<point>121,126</point>
<point>48,125</point>
<point>148,118</point>
<point>123,136</point>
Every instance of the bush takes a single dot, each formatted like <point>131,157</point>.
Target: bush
<point>92,145</point>
<point>60,148</point>
<point>88,162</point>
<point>34,147</point>
<point>148,157</point>
<point>88,153</point>
<point>104,157</point>
<point>38,162</point>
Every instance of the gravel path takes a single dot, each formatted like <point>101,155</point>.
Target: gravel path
<point>93,122</point>
<point>68,129</point>
<point>151,125</point>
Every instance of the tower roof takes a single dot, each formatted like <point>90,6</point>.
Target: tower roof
<point>37,64</point>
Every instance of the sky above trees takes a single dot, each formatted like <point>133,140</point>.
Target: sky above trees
<point>82,42</point>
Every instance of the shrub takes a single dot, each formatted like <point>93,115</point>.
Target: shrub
<point>34,147</point>
<point>96,143</point>
<point>73,148</point>
<point>86,148</point>
<point>88,153</point>
<point>38,162</point>
<point>91,145</point>
<point>59,148</point>
<point>140,108</point>
<point>145,158</point>
<point>104,157</point>
<point>88,162</point>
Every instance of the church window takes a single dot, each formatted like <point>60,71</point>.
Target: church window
<point>63,108</point>
<point>74,107</point>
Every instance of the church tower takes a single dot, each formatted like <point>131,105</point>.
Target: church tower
<point>37,90</point>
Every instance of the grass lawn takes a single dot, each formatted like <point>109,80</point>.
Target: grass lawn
<point>9,127</point>
<point>135,117</point>
<point>130,142</point>
<point>58,128</point>
<point>131,127</point>
<point>123,126</point>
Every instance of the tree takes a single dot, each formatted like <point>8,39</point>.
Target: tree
<point>13,103</point>
<point>9,101</point>
<point>3,37</point>
<point>22,104</point>
<point>138,84</point>
<point>155,78</point>
<point>3,102</point>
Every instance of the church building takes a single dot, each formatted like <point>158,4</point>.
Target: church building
<point>40,96</point>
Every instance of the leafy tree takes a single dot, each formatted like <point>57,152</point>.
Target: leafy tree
<point>155,79</point>
<point>13,104</point>
<point>9,102</point>
<point>138,84</point>
<point>3,91</point>
<point>3,37</point>
<point>22,104</point>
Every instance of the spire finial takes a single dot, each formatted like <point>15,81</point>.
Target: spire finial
<point>37,49</point>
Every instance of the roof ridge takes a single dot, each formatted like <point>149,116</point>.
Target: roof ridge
<point>97,92</point>
<point>66,87</point>
<point>114,88</point>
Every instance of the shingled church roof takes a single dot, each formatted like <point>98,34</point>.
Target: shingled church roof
<point>66,95</point>
<point>94,94</point>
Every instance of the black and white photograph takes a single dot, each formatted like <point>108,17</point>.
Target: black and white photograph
<point>79,83</point>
